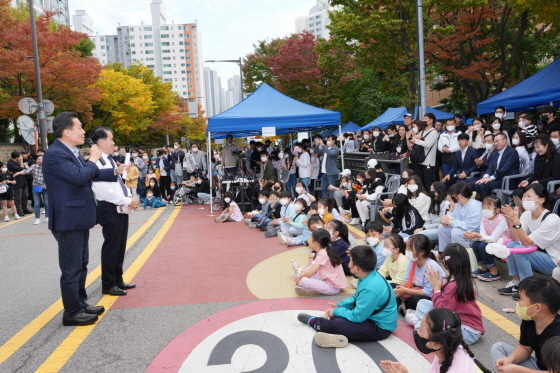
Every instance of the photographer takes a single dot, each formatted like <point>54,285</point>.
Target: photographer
<point>329,171</point>
<point>229,156</point>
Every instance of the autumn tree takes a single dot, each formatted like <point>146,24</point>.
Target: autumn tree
<point>66,76</point>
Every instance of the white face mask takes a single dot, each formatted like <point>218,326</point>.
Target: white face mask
<point>227,200</point>
<point>451,128</point>
<point>499,115</point>
<point>329,143</point>
<point>262,201</point>
<point>515,141</point>
<point>489,214</point>
<point>392,135</point>
<point>286,156</point>
<point>488,146</point>
<point>116,154</point>
<point>149,195</point>
<point>496,126</point>
<point>386,252</point>
<point>310,151</point>
<point>530,205</point>
<point>410,256</point>
<point>298,207</point>
<point>176,147</point>
<point>4,169</point>
<point>299,190</point>
<point>321,211</point>
<point>476,128</point>
<point>284,201</point>
<point>372,241</point>
<point>414,129</point>
<point>281,155</point>
<point>521,124</point>
<point>264,159</point>
<point>134,155</point>
<point>199,181</point>
<point>376,133</point>
<point>195,150</point>
<point>152,184</point>
<point>555,141</point>
<point>412,188</point>
<point>145,157</point>
<point>366,137</point>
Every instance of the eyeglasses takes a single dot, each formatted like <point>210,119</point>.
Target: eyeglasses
<point>497,141</point>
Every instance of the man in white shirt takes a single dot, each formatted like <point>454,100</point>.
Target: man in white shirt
<point>427,139</point>
<point>448,145</point>
<point>114,203</point>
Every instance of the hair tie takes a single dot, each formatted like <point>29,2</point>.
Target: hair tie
<point>443,325</point>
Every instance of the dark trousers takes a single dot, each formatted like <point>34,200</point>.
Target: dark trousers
<point>411,302</point>
<point>485,190</point>
<point>164,185</point>
<point>426,173</point>
<point>115,232</point>
<point>366,331</point>
<point>73,258</point>
<point>482,257</point>
<point>141,187</point>
<point>20,199</point>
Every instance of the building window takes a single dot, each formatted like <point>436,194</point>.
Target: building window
<point>165,44</point>
<point>150,66</point>
<point>318,29</point>
<point>190,86</point>
<point>189,79</point>
<point>187,51</point>
<point>311,18</point>
<point>148,36</point>
<point>164,28</point>
<point>189,65</point>
<point>310,25</point>
<point>150,59</point>
<point>131,37</point>
<point>133,52</point>
<point>167,58</point>
<point>317,23</point>
<point>133,45</point>
<point>188,43</point>
<point>167,73</point>
<point>318,17</point>
<point>103,54</point>
<point>189,72</point>
<point>147,28</point>
<point>188,58</point>
<point>102,39</point>
<point>166,51</point>
<point>165,36</point>
<point>184,79</point>
<point>179,27</point>
<point>166,65</point>
<point>102,47</point>
<point>181,43</point>
<point>167,80</point>
<point>149,44</point>
<point>184,93</point>
<point>186,28</point>
<point>191,93</point>
<point>183,72</point>
<point>149,52</point>
<point>182,57</point>
<point>180,35</point>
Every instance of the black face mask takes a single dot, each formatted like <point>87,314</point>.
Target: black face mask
<point>544,118</point>
<point>433,194</point>
<point>404,180</point>
<point>421,344</point>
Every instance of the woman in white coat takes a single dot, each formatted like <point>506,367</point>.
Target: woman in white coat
<point>303,162</point>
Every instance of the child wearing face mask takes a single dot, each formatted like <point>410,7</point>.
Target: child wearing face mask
<point>440,334</point>
<point>324,211</point>
<point>405,220</point>
<point>415,285</point>
<point>152,201</point>
<point>340,242</point>
<point>374,238</point>
<point>152,175</point>
<point>301,192</point>
<point>456,293</point>
<point>395,264</point>
<point>286,210</point>
<point>313,222</point>
<point>6,182</point>
<point>293,225</point>
<point>153,185</point>
<point>538,309</point>
<point>493,226</point>
<point>231,211</point>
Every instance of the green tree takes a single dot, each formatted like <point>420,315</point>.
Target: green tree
<point>85,47</point>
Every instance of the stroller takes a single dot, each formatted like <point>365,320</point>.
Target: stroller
<point>185,195</point>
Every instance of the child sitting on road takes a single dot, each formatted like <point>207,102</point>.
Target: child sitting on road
<point>314,222</point>
<point>538,310</point>
<point>374,238</point>
<point>456,293</point>
<point>152,201</point>
<point>340,243</point>
<point>231,211</point>
<point>324,211</point>
<point>395,265</point>
<point>261,211</point>
<point>293,225</point>
<point>551,354</point>
<point>323,273</point>
<point>369,316</point>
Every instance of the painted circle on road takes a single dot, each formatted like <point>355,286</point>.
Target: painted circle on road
<point>265,336</point>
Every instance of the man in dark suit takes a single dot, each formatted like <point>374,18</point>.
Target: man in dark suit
<point>483,162</point>
<point>117,156</point>
<point>504,162</point>
<point>72,214</point>
<point>114,204</point>
<point>464,163</point>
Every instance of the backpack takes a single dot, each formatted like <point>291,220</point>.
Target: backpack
<point>418,153</point>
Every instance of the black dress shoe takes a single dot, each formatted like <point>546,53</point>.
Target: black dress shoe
<point>94,310</point>
<point>125,286</point>
<point>78,319</point>
<point>27,212</point>
<point>115,290</point>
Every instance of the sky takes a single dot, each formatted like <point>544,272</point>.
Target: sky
<point>228,28</point>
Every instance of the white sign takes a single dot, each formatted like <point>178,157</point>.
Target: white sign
<point>219,141</point>
<point>302,135</point>
<point>251,138</point>
<point>269,131</point>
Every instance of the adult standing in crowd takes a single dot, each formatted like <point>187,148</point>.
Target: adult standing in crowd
<point>229,160</point>
<point>39,188</point>
<point>198,159</point>
<point>164,173</point>
<point>176,159</point>
<point>140,164</point>
<point>550,123</point>
<point>114,204</point>
<point>15,165</point>
<point>330,153</point>
<point>72,213</point>
<point>448,145</point>
<point>427,138</point>
<point>117,156</point>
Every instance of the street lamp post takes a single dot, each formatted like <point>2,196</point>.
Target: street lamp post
<point>239,62</point>
<point>421,62</point>
<point>41,116</point>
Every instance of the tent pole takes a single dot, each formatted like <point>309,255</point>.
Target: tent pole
<point>210,173</point>
<point>341,150</point>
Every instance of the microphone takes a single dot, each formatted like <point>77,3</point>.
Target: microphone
<point>90,143</point>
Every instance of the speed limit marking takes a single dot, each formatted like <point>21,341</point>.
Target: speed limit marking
<point>265,336</point>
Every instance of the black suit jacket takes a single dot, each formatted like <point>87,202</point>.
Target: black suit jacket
<point>467,165</point>
<point>509,163</point>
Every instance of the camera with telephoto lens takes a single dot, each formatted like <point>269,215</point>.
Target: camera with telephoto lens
<point>238,152</point>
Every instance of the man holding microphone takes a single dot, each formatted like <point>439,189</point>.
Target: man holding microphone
<point>114,204</point>
<point>72,212</point>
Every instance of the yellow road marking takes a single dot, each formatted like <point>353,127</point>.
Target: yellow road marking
<point>66,349</point>
<point>15,221</point>
<point>25,334</point>
<point>489,314</point>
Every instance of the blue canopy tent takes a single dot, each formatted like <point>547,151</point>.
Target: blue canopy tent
<point>438,113</point>
<point>266,107</point>
<point>542,88</point>
<point>393,115</point>
<point>348,127</point>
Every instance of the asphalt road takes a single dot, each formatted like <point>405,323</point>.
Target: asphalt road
<point>131,336</point>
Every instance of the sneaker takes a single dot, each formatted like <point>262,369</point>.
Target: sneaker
<point>304,318</point>
<point>516,297</point>
<point>478,272</point>
<point>354,221</point>
<point>47,220</point>
<point>402,309</point>
<point>354,283</point>
<point>488,277</point>
<point>345,219</point>
<point>330,340</point>
<point>290,242</point>
<point>411,317</point>
<point>296,268</point>
<point>281,238</point>
<point>510,289</point>
<point>37,221</point>
<point>305,292</point>
<point>6,218</point>
<point>17,217</point>
<point>247,221</point>
<point>270,234</point>
<point>252,225</point>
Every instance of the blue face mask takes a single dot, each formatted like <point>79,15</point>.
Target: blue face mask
<point>172,188</point>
